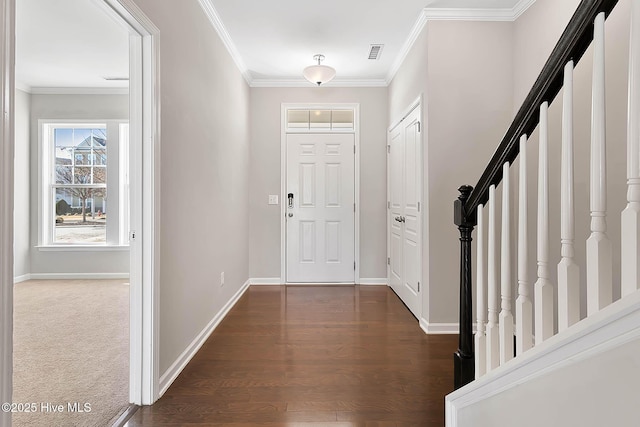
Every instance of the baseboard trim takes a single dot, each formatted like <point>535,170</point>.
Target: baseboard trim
<point>606,330</point>
<point>74,276</point>
<point>270,281</point>
<point>365,281</point>
<point>444,328</point>
<point>20,279</point>
<point>181,362</point>
<point>265,281</point>
<point>439,328</point>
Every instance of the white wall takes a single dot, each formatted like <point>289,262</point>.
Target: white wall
<point>464,71</point>
<point>599,391</point>
<point>22,179</point>
<point>532,45</point>
<point>554,16</point>
<point>265,173</point>
<point>204,174</point>
<point>74,107</point>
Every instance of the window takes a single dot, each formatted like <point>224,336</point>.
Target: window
<point>320,120</point>
<point>84,183</point>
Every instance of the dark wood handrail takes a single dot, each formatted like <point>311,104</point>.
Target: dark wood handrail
<point>574,41</point>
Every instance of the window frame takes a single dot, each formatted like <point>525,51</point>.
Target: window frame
<point>116,237</point>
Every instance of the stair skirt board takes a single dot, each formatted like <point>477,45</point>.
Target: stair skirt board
<point>611,328</point>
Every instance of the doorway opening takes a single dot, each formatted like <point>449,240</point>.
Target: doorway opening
<point>71,217</point>
<point>320,193</point>
<point>144,183</point>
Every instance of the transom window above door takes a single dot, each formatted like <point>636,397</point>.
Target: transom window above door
<point>320,120</point>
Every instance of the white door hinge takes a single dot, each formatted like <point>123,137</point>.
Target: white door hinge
<point>418,286</point>
<point>418,206</point>
<point>388,148</point>
<point>354,149</point>
<point>388,260</point>
<point>419,127</point>
<point>354,207</point>
<point>388,205</point>
<point>354,266</point>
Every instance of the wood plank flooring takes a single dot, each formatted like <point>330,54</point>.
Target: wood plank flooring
<point>312,356</point>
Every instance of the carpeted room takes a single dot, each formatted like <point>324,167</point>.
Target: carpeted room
<point>71,336</point>
<point>71,347</point>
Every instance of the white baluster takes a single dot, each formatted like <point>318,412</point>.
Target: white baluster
<point>506,317</point>
<point>568,271</point>
<point>524,309</point>
<point>493,339</point>
<point>481,308</point>
<point>630,226</point>
<point>543,288</point>
<point>599,257</point>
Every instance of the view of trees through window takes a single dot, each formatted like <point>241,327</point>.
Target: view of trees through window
<point>79,185</point>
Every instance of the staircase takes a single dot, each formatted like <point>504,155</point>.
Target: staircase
<point>539,358</point>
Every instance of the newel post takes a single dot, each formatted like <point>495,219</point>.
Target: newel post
<point>463,359</point>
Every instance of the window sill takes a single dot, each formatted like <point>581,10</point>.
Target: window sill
<point>82,248</point>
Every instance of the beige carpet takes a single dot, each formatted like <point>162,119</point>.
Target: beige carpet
<point>71,345</point>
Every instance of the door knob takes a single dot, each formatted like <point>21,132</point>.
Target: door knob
<point>398,218</point>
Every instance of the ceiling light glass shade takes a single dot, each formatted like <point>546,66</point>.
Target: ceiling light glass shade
<point>319,74</point>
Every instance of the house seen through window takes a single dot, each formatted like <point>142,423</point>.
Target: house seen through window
<point>85,185</point>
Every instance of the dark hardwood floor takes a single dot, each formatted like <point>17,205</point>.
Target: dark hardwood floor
<point>321,356</point>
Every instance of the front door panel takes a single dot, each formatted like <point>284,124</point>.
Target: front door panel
<point>320,221</point>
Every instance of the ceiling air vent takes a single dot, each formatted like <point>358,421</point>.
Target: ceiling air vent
<point>375,51</point>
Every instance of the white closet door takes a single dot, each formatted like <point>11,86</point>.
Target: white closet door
<point>396,209</point>
<point>405,222</point>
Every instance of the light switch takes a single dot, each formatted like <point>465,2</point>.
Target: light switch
<point>273,199</point>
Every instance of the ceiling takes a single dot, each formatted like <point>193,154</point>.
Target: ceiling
<point>274,40</point>
<point>68,44</point>
<point>75,44</point>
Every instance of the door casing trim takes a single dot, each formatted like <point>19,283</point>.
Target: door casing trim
<point>7,75</point>
<point>144,122</point>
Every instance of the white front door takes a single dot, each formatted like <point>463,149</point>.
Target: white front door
<point>405,222</point>
<point>319,202</point>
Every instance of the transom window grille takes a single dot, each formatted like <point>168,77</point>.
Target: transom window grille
<point>320,120</point>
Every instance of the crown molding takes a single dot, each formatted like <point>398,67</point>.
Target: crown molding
<point>455,14</point>
<point>408,44</point>
<point>23,87</point>
<point>77,90</point>
<point>478,14</point>
<point>521,8</point>
<point>301,82</point>
<point>214,18</point>
<point>427,14</point>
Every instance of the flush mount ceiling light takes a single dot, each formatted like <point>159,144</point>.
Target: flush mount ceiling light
<point>319,74</point>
